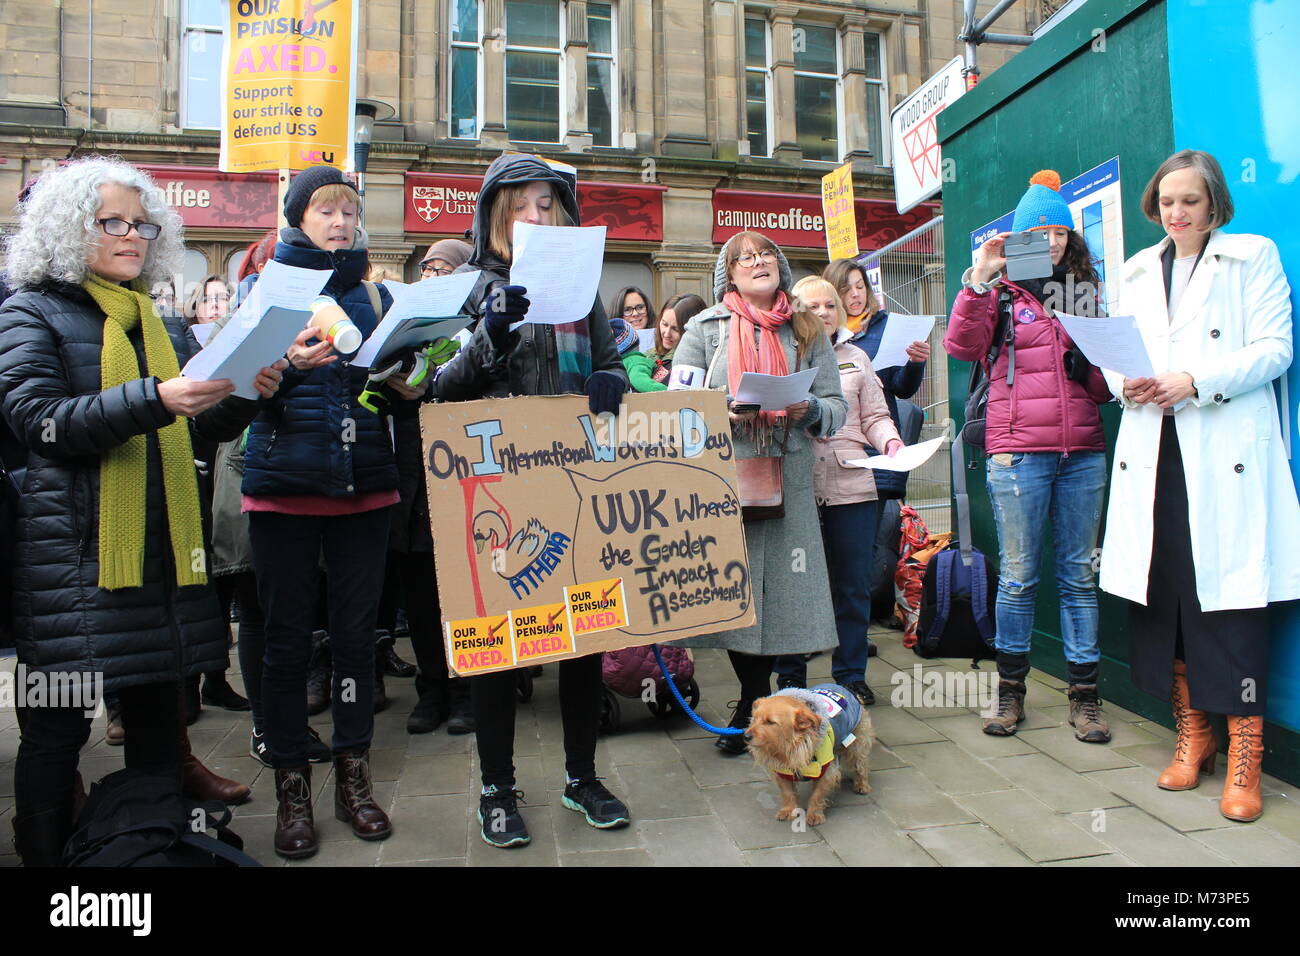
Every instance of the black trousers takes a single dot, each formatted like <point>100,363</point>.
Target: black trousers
<point>52,738</point>
<point>494,714</point>
<point>754,672</point>
<point>1226,651</point>
<point>252,640</point>
<point>285,553</point>
<point>418,581</point>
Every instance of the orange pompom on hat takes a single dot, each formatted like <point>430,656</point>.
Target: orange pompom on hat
<point>1041,207</point>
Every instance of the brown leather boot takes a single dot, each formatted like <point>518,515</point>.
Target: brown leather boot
<point>1196,749</point>
<point>200,783</point>
<point>1011,709</point>
<point>295,830</point>
<point>1085,715</point>
<point>1241,798</point>
<point>354,804</point>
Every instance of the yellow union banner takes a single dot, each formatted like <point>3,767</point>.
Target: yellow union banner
<point>837,208</point>
<point>288,84</point>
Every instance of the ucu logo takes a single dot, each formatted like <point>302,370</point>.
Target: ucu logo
<point>316,156</point>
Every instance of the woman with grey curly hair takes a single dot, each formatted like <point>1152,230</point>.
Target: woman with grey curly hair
<point>110,589</point>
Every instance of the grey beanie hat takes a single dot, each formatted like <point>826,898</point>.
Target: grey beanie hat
<point>720,279</point>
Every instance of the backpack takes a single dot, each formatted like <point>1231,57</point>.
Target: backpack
<point>959,592</point>
<point>134,818</point>
<point>977,389</point>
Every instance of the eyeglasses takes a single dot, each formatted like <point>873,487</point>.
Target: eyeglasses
<point>428,269</point>
<point>751,259</point>
<point>120,227</point>
<point>634,310</point>
<point>217,299</point>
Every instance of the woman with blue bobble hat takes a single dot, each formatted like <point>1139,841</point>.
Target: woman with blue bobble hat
<point>1046,451</point>
<point>574,358</point>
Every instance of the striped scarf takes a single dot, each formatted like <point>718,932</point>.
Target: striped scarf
<point>124,469</point>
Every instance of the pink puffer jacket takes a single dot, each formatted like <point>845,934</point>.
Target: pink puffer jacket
<point>866,423</point>
<point>1042,410</point>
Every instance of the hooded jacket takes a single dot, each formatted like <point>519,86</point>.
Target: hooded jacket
<point>51,343</point>
<point>296,446</point>
<point>530,363</point>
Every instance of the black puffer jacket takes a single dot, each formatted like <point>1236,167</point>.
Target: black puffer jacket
<point>530,365</point>
<point>51,340</point>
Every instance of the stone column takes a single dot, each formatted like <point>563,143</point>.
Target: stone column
<point>785,136</point>
<point>577,137</point>
<point>493,135</point>
<point>855,148</point>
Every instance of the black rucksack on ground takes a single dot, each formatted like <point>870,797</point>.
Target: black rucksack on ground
<point>959,590</point>
<point>133,818</point>
<point>977,389</point>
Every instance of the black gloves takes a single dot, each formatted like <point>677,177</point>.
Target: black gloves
<point>505,306</point>
<point>605,392</point>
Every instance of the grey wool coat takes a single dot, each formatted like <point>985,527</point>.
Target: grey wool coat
<point>787,565</point>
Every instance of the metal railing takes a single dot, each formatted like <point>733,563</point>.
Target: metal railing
<point>911,281</point>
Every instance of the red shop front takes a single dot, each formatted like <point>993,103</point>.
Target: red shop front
<point>795,222</point>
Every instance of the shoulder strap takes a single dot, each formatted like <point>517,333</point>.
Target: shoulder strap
<point>219,848</point>
<point>979,600</point>
<point>962,499</point>
<point>376,303</point>
<point>942,594</point>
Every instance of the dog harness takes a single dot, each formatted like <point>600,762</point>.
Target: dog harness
<point>840,710</point>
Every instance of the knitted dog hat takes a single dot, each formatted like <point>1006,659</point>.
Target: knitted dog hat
<point>1041,207</point>
<point>625,337</point>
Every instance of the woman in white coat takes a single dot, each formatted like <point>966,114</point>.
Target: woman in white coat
<point>1201,498</point>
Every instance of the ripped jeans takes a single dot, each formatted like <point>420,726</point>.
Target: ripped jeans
<point>1028,490</point>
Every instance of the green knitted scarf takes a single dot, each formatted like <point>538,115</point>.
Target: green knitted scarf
<point>123,470</point>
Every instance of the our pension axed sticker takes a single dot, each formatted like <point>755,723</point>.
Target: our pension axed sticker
<point>480,644</point>
<point>596,606</point>
<point>541,631</point>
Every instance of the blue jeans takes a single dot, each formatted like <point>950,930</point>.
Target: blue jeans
<point>849,537</point>
<point>1033,488</point>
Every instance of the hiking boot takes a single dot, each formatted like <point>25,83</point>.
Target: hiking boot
<point>734,744</point>
<point>319,674</point>
<point>862,692</point>
<point>295,830</point>
<point>354,801</point>
<point>1085,715</point>
<point>386,655</point>
<point>603,810</point>
<point>1011,709</point>
<point>498,815</point>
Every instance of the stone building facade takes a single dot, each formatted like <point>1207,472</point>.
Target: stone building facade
<point>681,116</point>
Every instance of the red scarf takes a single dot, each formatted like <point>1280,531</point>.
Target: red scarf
<point>768,356</point>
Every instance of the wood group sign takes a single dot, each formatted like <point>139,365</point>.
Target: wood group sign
<point>288,84</point>
<point>560,534</point>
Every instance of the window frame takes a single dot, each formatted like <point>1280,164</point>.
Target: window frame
<point>881,84</point>
<point>839,89</point>
<point>477,47</point>
<point>615,131</point>
<point>188,29</point>
<point>766,71</point>
<point>562,72</point>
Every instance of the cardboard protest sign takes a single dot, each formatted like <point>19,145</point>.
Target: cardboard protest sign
<point>837,208</point>
<point>559,534</point>
<point>288,84</point>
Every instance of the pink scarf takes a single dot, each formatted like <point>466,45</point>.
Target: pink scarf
<point>768,356</point>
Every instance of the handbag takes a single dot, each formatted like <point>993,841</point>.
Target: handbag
<point>760,481</point>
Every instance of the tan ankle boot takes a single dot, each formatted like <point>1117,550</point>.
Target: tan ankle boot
<point>1241,797</point>
<point>1011,709</point>
<point>1196,749</point>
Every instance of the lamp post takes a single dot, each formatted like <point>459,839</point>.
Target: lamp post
<point>368,112</point>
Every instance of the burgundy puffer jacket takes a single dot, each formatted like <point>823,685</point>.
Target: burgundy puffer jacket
<point>1042,410</point>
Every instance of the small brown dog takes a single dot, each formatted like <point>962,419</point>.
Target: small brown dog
<point>802,734</point>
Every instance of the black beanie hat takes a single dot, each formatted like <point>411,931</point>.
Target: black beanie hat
<point>298,196</point>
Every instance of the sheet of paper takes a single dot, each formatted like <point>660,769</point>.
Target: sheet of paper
<point>262,328</point>
<point>203,331</point>
<point>773,393</point>
<point>437,297</point>
<point>900,332</point>
<point>1110,342</point>
<point>645,339</point>
<point>909,457</point>
<point>560,267</point>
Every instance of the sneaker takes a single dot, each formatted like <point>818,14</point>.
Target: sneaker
<point>317,750</point>
<point>258,750</point>
<point>603,810</point>
<point>499,819</point>
<point>862,692</point>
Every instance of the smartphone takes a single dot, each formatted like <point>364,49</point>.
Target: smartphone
<point>1028,255</point>
<point>744,408</point>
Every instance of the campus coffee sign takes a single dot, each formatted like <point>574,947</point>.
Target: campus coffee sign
<point>789,219</point>
<point>561,534</point>
<point>207,198</point>
<point>444,205</point>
